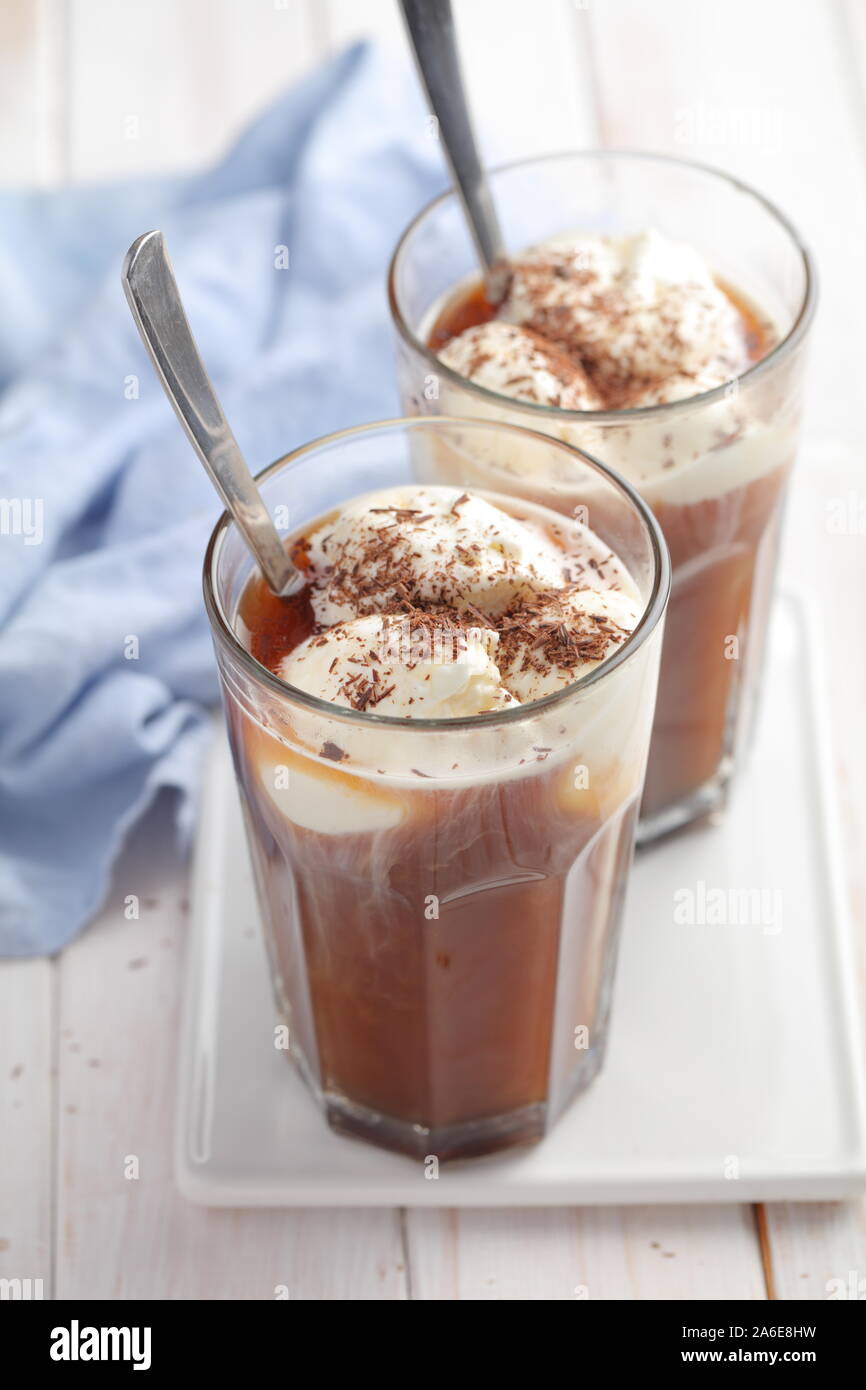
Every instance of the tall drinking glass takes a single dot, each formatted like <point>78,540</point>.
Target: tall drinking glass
<point>714,468</point>
<point>441,898</point>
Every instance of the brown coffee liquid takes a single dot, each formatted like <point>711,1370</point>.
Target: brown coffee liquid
<point>723,554</point>
<point>276,625</point>
<point>467,309</point>
<point>462,1021</point>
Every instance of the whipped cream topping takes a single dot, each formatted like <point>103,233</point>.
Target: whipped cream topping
<point>641,315</point>
<point>434,603</point>
<point>425,546</point>
<point>643,321</point>
<point>516,362</point>
<point>401,664</point>
<point>574,627</point>
<point>607,323</point>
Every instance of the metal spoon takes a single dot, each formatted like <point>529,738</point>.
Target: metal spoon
<point>430,25</point>
<point>153,296</point>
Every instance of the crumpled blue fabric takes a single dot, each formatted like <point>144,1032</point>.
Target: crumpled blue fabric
<point>106,666</point>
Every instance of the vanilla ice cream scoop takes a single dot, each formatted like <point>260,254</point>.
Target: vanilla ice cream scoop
<point>635,312</point>
<point>425,545</point>
<point>516,362</point>
<point>555,640</point>
<point>424,666</point>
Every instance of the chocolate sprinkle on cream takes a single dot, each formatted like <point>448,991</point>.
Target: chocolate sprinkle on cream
<point>607,323</point>
<point>330,750</point>
<point>432,603</point>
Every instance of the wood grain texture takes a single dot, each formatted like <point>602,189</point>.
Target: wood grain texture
<point>526,67</point>
<point>157,85</point>
<point>27,1100</point>
<point>577,1254</point>
<point>32,91</point>
<point>123,1230</point>
<point>818,1250</point>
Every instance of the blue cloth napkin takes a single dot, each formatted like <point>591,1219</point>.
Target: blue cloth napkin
<point>106,665</point>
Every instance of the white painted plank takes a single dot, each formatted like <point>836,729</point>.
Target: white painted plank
<point>818,1250</point>
<point>26,1120</point>
<point>587,1253</point>
<point>156,86</point>
<point>32,36</point>
<point>775,93</point>
<point>761,90</point>
<point>852,37</point>
<point>345,21</point>
<point>526,67</point>
<point>123,1236</point>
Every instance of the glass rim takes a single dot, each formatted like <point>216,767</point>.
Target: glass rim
<point>223,631</point>
<point>537,411</point>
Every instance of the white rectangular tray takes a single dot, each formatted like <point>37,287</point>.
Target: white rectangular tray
<point>734,1071</point>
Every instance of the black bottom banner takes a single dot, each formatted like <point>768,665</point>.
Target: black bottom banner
<point>153,1338</point>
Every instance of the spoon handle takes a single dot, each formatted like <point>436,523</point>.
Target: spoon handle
<point>153,296</point>
<point>430,24</point>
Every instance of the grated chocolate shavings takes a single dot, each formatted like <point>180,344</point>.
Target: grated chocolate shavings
<point>332,751</point>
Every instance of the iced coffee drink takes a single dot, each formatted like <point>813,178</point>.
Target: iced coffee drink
<point>441,744</point>
<point>677,363</point>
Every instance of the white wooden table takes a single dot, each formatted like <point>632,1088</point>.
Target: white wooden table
<point>774,90</point>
